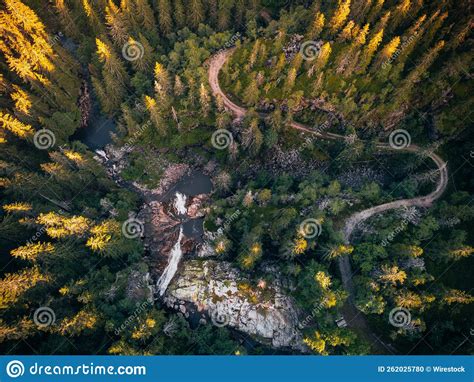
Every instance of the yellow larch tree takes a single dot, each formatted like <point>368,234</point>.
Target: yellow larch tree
<point>14,126</point>
<point>317,25</point>
<point>370,50</point>
<point>32,250</point>
<point>387,51</point>
<point>340,15</point>
<point>13,285</point>
<point>17,207</point>
<point>22,100</point>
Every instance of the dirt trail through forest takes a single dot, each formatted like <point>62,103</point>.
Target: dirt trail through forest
<point>353,316</point>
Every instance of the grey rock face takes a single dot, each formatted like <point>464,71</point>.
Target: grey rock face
<point>219,290</point>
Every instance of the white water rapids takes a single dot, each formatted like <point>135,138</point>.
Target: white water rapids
<point>180,203</point>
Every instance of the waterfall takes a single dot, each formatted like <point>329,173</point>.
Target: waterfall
<point>172,267</point>
<point>180,203</point>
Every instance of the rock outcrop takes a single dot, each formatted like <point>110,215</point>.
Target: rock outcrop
<point>220,292</point>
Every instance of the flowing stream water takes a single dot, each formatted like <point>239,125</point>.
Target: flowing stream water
<point>180,203</point>
<point>172,267</point>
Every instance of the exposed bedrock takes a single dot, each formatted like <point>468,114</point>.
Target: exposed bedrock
<point>220,292</point>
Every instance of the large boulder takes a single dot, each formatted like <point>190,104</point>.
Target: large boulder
<point>222,293</point>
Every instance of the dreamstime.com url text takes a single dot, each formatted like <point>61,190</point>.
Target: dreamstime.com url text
<point>16,369</point>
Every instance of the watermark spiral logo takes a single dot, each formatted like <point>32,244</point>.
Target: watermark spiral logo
<point>44,139</point>
<point>399,317</point>
<point>219,319</point>
<point>44,317</point>
<point>133,228</point>
<point>310,228</point>
<point>221,139</point>
<point>399,139</point>
<point>132,51</point>
<point>15,369</point>
<point>309,50</point>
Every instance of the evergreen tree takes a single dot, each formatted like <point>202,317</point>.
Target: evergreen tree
<point>164,16</point>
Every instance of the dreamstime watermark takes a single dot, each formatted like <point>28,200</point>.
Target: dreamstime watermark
<point>394,56</point>
<point>410,216</point>
<point>135,136</point>
<point>317,309</point>
<point>221,139</point>
<point>225,227</point>
<point>230,43</point>
<point>399,317</point>
<point>220,319</point>
<point>44,317</point>
<point>310,228</point>
<point>140,308</point>
<point>132,51</point>
<point>133,228</point>
<point>399,139</point>
<point>310,50</point>
<point>44,139</point>
<point>16,368</point>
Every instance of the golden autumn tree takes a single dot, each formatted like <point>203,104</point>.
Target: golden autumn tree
<point>116,23</point>
<point>369,51</point>
<point>340,15</point>
<point>13,285</point>
<point>317,25</point>
<point>14,126</point>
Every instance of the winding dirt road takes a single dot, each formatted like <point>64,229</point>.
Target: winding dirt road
<point>353,316</point>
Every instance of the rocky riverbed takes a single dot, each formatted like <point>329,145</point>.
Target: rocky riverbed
<point>186,274</point>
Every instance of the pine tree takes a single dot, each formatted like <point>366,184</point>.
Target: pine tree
<point>145,13</point>
<point>252,137</point>
<point>392,275</point>
<point>66,19</point>
<point>179,14</point>
<point>359,10</point>
<point>251,93</point>
<point>375,11</point>
<point>290,80</point>
<point>155,115</point>
<point>116,24</point>
<point>22,100</point>
<point>415,75</point>
<point>92,17</point>
<point>196,13</point>
<point>205,100</point>
<point>224,14</point>
<point>162,82</point>
<point>114,75</point>
<point>361,36</point>
<point>60,227</point>
<point>178,86</point>
<point>164,16</point>
<point>382,23</point>
<point>400,13</point>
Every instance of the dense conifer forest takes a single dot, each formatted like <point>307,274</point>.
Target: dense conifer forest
<point>236,177</point>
